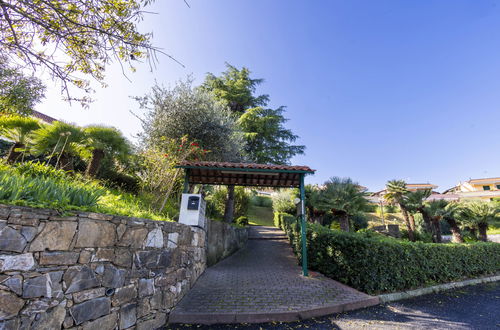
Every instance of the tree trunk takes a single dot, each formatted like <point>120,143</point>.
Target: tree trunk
<point>344,223</point>
<point>427,220</point>
<point>412,221</point>
<point>436,235</point>
<point>411,233</point>
<point>95,162</point>
<point>229,210</point>
<point>482,228</point>
<point>65,162</point>
<point>13,155</point>
<point>455,231</point>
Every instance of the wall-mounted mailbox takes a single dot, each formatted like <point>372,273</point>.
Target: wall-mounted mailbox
<point>193,202</point>
<point>192,211</point>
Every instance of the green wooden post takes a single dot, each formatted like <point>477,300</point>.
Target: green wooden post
<point>186,181</point>
<point>303,225</point>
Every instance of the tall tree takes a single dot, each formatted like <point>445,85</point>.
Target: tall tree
<point>19,93</point>
<point>343,198</point>
<point>172,113</point>
<point>72,37</point>
<point>103,141</point>
<point>267,140</point>
<point>19,130</point>
<point>396,192</point>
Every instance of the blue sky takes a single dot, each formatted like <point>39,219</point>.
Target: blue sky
<point>376,90</point>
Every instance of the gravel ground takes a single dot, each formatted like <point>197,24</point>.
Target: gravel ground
<point>474,307</point>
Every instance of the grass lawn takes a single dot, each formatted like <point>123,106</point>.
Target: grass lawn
<point>260,215</point>
<point>494,228</point>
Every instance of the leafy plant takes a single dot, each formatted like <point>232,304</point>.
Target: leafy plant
<point>18,129</point>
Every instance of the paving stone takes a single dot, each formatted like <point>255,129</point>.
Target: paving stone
<point>52,319</point>
<point>10,304</point>
<point>124,294</point>
<point>59,258</point>
<point>93,233</point>
<point>91,309</point>
<point>54,236</point>
<point>261,279</point>
<point>22,262</point>
<point>128,316</point>
<point>47,285</point>
<point>113,277</point>
<point>107,322</point>
<point>11,240</point>
<point>82,296</point>
<point>78,278</point>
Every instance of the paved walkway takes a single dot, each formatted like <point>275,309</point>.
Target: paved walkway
<point>261,283</point>
<point>469,308</point>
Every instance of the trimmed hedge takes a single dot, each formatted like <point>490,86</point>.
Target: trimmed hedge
<point>373,263</point>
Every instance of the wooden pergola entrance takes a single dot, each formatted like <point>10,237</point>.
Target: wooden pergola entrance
<point>257,175</point>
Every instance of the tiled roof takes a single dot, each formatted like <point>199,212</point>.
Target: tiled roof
<point>43,117</point>
<point>245,174</point>
<point>246,166</point>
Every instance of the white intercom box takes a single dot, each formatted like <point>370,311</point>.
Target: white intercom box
<point>193,210</point>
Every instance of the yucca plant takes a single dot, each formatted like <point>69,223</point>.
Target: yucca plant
<point>100,142</point>
<point>60,140</point>
<point>19,130</point>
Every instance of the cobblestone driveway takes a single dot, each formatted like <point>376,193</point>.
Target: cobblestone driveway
<point>262,282</point>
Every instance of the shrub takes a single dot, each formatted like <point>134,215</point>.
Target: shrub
<point>262,201</point>
<point>216,202</point>
<point>375,264</point>
<point>242,221</point>
<point>359,221</point>
<point>283,202</point>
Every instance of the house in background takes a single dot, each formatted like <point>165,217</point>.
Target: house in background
<point>486,189</point>
<point>43,117</point>
<point>378,197</point>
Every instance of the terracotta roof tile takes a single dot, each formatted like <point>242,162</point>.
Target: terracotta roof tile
<point>247,166</point>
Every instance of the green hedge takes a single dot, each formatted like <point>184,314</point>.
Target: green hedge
<point>373,263</point>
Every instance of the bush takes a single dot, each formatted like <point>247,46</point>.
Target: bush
<point>359,221</point>
<point>375,264</point>
<point>371,208</point>
<point>283,202</point>
<point>242,221</point>
<point>262,201</point>
<point>216,202</point>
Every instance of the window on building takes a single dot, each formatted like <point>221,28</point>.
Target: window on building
<point>486,188</point>
<point>498,186</point>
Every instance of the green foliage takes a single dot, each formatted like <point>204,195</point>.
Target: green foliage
<point>19,93</point>
<point>186,111</point>
<point>283,202</point>
<point>36,170</point>
<point>108,139</point>
<point>89,35</point>
<point>52,191</point>
<point>359,221</point>
<point>18,128</point>
<point>262,201</point>
<point>216,202</point>
<point>242,221</point>
<point>375,264</point>
<point>266,138</point>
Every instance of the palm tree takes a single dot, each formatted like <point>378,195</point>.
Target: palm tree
<point>396,192</point>
<point>18,129</point>
<point>343,198</point>
<point>478,214</point>
<point>414,201</point>
<point>101,142</point>
<point>58,139</point>
<point>441,209</point>
<point>313,194</point>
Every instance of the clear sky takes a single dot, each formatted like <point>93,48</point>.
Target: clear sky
<point>376,90</point>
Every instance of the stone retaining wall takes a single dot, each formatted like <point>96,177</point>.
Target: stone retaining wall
<point>223,240</point>
<point>93,271</point>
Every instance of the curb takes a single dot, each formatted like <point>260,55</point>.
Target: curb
<point>233,318</point>
<point>433,289</point>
